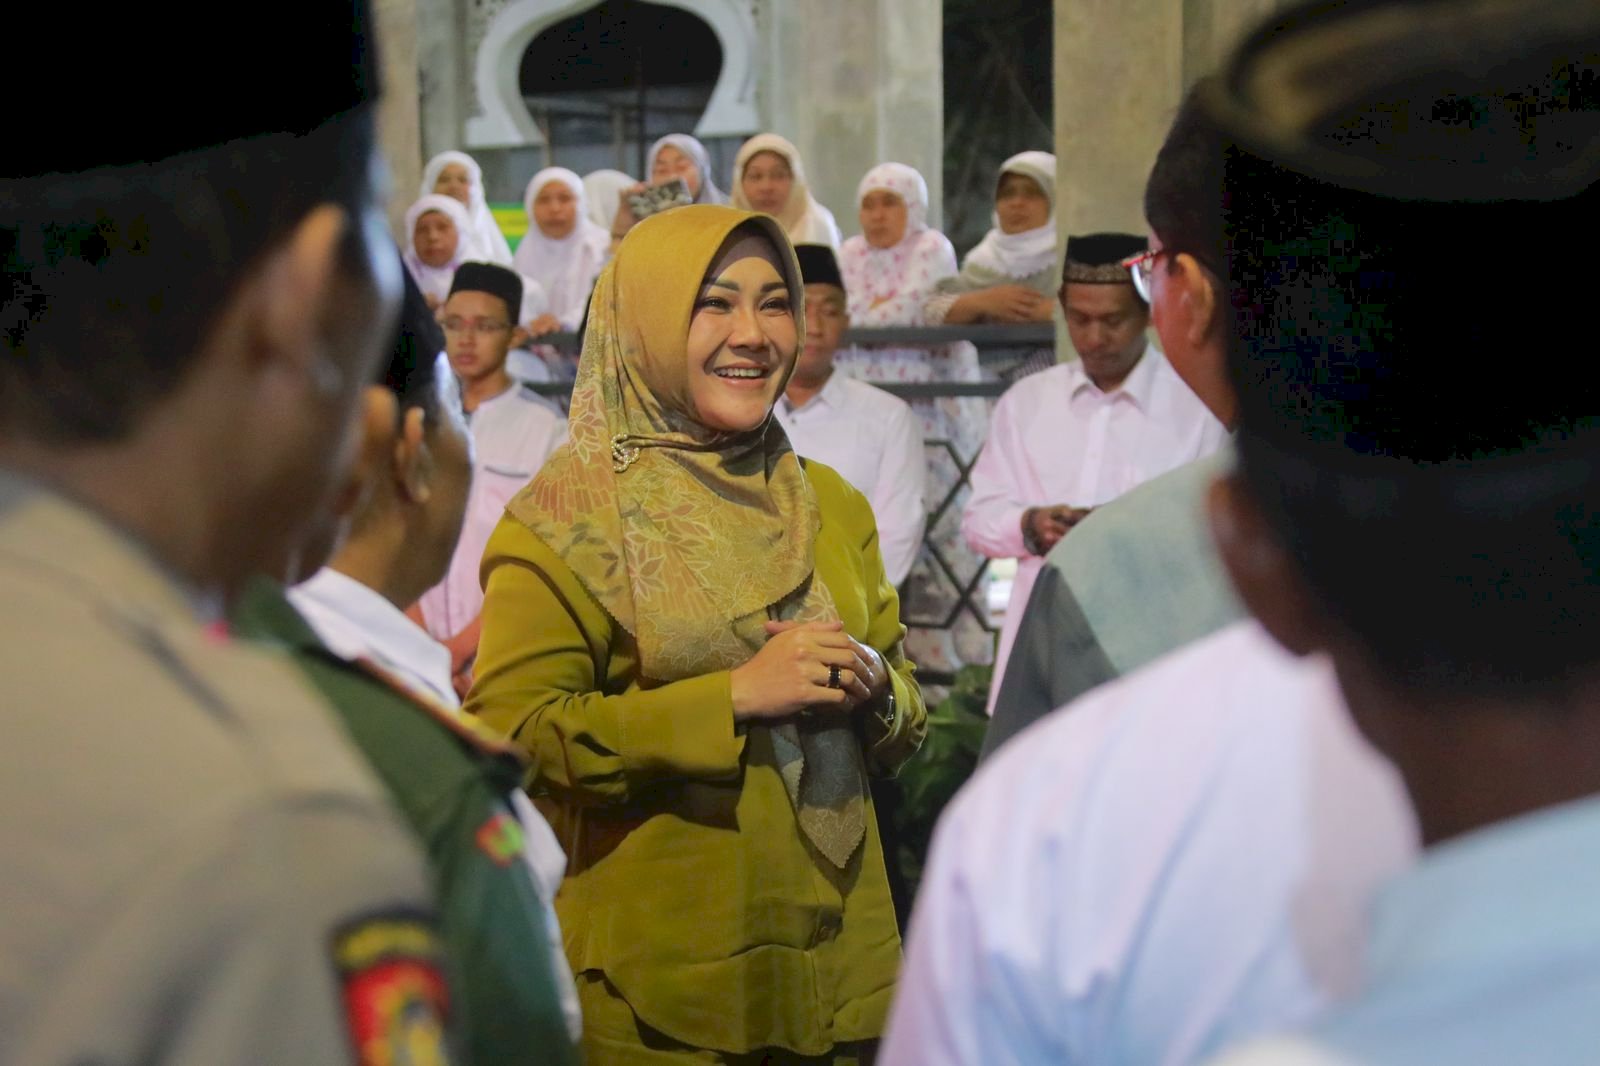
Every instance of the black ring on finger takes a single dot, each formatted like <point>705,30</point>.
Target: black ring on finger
<point>833,677</point>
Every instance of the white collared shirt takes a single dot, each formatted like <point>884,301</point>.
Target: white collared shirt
<point>356,622</point>
<point>1179,859</point>
<point>1056,438</point>
<point>872,439</point>
<point>512,436</point>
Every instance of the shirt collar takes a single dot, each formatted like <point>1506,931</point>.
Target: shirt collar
<point>1517,892</point>
<point>1137,386</point>
<point>377,630</point>
<point>830,395</point>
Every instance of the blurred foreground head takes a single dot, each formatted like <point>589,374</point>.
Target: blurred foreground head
<point>1406,185</point>
<point>194,297</point>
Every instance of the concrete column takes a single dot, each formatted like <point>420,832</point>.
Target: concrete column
<point>1121,69</point>
<point>399,120</point>
<point>855,83</point>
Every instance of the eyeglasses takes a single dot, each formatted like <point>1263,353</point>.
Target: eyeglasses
<point>1143,267</point>
<point>477,326</point>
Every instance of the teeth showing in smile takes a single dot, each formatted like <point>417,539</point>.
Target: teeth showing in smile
<point>741,372</point>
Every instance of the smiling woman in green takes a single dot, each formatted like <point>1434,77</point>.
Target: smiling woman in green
<point>691,633</point>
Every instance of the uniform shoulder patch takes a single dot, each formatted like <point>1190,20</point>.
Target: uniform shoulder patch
<point>501,838</point>
<point>395,997</point>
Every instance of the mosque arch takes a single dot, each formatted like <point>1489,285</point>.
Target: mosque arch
<point>502,120</point>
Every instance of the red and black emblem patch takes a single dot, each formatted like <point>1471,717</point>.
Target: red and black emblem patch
<point>395,997</point>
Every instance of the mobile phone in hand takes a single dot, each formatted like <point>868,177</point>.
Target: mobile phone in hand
<point>656,198</point>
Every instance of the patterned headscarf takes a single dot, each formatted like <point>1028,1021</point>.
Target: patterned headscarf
<point>691,537</point>
<point>905,183</point>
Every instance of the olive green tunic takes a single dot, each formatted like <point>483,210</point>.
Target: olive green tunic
<point>451,785</point>
<point>689,884</point>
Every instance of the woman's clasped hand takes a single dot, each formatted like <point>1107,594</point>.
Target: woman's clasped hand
<point>791,674</point>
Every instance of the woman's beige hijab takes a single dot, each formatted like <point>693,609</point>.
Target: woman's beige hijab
<point>689,537</point>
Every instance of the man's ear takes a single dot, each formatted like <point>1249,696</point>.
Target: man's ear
<point>295,297</point>
<point>1266,578</point>
<point>1197,296</point>
<point>413,459</point>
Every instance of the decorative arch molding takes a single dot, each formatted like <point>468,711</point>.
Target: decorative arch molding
<point>503,121</point>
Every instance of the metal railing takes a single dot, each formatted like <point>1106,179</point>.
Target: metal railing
<point>1000,349</point>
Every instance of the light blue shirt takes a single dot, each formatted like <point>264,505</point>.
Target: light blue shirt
<point>1487,953</point>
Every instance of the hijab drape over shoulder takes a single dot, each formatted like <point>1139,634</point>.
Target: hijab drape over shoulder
<point>803,219</point>
<point>487,243</point>
<point>1003,256</point>
<point>564,267</point>
<point>435,281</point>
<point>689,537</point>
<point>689,146</point>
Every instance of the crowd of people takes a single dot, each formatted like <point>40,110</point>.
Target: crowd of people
<point>363,706</point>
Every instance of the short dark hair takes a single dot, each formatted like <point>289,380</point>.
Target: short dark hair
<point>1445,511</point>
<point>114,276</point>
<point>412,370</point>
<point>1183,198</point>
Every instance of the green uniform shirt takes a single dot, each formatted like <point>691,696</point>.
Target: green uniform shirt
<point>452,786</point>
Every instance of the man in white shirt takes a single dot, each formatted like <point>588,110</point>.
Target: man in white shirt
<point>1070,438</point>
<point>514,430</point>
<point>1180,858</point>
<point>867,435</point>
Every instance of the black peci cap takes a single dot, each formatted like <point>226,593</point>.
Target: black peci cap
<point>493,279</point>
<point>1096,258</point>
<point>123,84</point>
<point>818,265</point>
<point>1385,163</point>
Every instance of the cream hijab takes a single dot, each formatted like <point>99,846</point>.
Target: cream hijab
<point>689,537</point>
<point>487,243</point>
<point>803,219</point>
<point>564,267</point>
<point>1020,255</point>
<point>435,281</point>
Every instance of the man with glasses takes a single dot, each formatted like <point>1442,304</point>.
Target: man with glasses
<point>1080,434</point>
<point>514,430</point>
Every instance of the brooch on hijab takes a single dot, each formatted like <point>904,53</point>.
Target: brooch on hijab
<point>622,456</point>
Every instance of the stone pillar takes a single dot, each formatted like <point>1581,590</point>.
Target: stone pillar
<point>399,120</point>
<point>855,83</point>
<point>1121,69</point>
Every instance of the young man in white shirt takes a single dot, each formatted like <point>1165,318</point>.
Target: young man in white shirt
<point>1065,440</point>
<point>514,430</point>
<point>867,435</point>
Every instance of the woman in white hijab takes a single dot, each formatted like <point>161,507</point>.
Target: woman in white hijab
<point>677,156</point>
<point>563,251</point>
<point>458,175</point>
<point>889,271</point>
<point>436,242</point>
<point>1011,275</point>
<point>603,189</point>
<point>769,177</point>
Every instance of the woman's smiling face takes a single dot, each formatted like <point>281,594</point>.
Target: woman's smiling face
<point>742,336</point>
